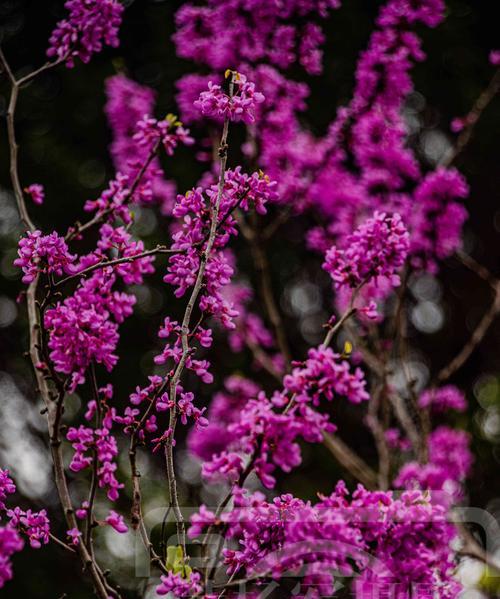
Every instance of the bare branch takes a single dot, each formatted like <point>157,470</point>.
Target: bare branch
<point>472,118</point>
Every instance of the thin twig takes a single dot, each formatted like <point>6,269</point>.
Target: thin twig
<point>474,340</point>
<point>471,119</point>
<point>350,460</point>
<point>61,543</point>
<point>378,432</point>
<point>53,409</point>
<point>185,332</point>
<point>13,146</point>
<point>263,269</point>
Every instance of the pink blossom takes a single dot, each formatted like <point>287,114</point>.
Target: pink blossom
<point>240,107</point>
<point>46,254</point>
<point>37,193</point>
<point>117,522</point>
<point>89,25</point>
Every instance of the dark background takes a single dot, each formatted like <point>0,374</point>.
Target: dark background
<point>64,139</point>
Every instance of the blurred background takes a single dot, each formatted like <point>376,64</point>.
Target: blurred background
<point>64,143</point>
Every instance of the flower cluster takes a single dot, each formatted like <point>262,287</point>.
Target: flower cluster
<point>84,327</point>
<point>179,586</point>
<point>194,212</point>
<point>86,442</point>
<point>449,464</point>
<point>10,543</point>
<point>219,34</point>
<point>268,430</point>
<point>325,375</point>
<point>377,249</point>
<point>168,132</point>
<point>443,399</point>
<point>405,539</point>
<point>89,25</point>
<point>35,525</point>
<point>46,254</point>
<point>238,107</point>
<point>437,226</point>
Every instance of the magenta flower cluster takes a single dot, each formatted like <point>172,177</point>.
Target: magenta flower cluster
<point>383,535</point>
<point>46,254</point>
<point>443,399</point>
<point>35,526</point>
<point>377,249</point>
<point>241,31</point>
<point>89,25</point>
<point>97,446</point>
<point>179,586</point>
<point>10,543</point>
<point>238,107</point>
<point>267,431</point>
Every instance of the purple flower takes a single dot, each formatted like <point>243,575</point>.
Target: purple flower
<point>74,536</point>
<point>10,543</point>
<point>117,522</point>
<point>89,25</point>
<point>7,487</point>
<point>240,107</point>
<point>37,193</point>
<point>46,254</point>
<point>443,399</point>
<point>179,586</point>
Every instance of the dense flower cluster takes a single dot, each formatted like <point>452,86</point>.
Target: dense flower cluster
<point>268,430</point>
<point>377,249</point>
<point>194,211</point>
<point>405,539</point>
<point>325,375</point>
<point>35,525</point>
<point>89,25</point>
<point>251,31</point>
<point>46,254</point>
<point>84,327</point>
<point>238,107</point>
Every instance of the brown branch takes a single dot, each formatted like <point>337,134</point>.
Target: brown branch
<point>472,118</point>
<point>263,269</point>
<point>78,228</point>
<point>474,340</point>
<point>185,332</point>
<point>53,409</point>
<point>160,249</point>
<point>263,359</point>
<point>62,544</point>
<point>53,412</point>
<point>477,268</point>
<point>13,146</point>
<point>378,432</point>
<point>350,460</point>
